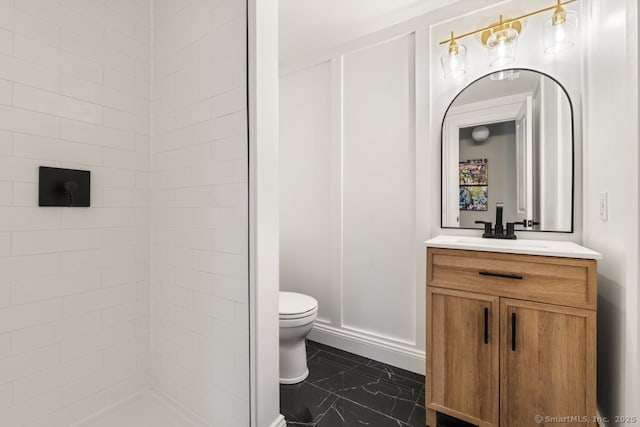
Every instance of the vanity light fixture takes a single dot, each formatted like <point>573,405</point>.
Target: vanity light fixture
<point>559,32</point>
<point>454,59</point>
<point>501,39</point>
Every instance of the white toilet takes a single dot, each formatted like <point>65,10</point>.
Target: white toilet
<point>298,312</point>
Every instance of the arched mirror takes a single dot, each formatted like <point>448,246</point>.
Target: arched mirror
<point>508,138</point>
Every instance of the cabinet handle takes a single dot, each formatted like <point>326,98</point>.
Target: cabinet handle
<point>503,275</point>
<point>486,325</point>
<point>513,332</point>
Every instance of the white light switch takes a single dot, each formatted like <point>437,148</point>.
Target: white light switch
<point>604,206</point>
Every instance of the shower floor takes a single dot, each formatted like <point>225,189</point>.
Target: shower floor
<point>143,410</point>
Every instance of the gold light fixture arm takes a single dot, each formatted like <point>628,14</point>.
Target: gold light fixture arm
<point>508,22</point>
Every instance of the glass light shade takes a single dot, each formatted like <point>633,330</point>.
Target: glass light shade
<point>559,32</point>
<point>454,60</point>
<point>502,47</point>
<point>502,75</point>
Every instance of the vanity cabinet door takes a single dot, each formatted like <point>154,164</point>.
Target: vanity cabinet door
<point>462,356</point>
<point>547,363</point>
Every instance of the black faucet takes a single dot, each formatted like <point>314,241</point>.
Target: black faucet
<point>499,227</point>
<point>498,232</point>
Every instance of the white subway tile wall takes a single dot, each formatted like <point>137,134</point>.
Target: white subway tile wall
<point>199,207</point>
<point>75,304</point>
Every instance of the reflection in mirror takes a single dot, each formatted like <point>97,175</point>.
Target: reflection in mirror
<point>509,141</point>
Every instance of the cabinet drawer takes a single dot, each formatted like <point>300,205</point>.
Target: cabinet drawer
<point>561,281</point>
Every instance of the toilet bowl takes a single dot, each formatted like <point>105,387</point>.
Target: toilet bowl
<point>298,312</point>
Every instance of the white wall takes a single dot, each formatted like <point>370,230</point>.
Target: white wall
<point>612,166</point>
<point>305,185</point>
<point>378,191</point>
<point>200,220</point>
<point>74,282</point>
<point>348,212</point>
<point>500,151</point>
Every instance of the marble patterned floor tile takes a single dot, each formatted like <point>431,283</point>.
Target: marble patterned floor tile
<point>364,386</point>
<point>390,399</point>
<point>312,352</point>
<point>344,413</point>
<point>304,404</point>
<point>395,372</point>
<point>347,390</point>
<point>418,417</point>
<point>351,359</point>
<point>336,378</point>
<point>422,398</point>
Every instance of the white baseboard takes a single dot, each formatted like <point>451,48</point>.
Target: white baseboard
<point>279,422</point>
<point>373,348</point>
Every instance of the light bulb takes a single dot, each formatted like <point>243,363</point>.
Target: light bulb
<point>560,34</point>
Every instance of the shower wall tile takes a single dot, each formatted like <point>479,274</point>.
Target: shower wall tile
<point>16,367</point>
<point>97,93</point>
<point>5,346</point>
<point>61,17</point>
<point>96,382</point>
<point>6,42</point>
<point>43,405</point>
<point>53,378</point>
<point>41,335</point>
<point>199,208</point>
<point>58,59</point>
<point>47,241</point>
<point>5,242</point>
<point>29,98</point>
<point>98,300</point>
<point>57,150</point>
<point>17,70</point>
<point>96,51</point>
<point>75,316</point>
<point>47,287</point>
<point>14,318</point>
<point>6,395</point>
<point>28,25</point>
<point>71,414</point>
<point>6,92</point>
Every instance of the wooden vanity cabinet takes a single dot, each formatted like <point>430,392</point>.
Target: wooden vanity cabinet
<point>464,340</point>
<point>500,351</point>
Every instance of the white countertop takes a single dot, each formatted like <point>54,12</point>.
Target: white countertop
<point>519,246</point>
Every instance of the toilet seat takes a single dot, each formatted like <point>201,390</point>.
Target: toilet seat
<point>292,305</point>
<point>309,313</point>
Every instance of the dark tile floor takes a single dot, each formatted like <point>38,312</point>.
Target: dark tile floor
<point>345,390</point>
